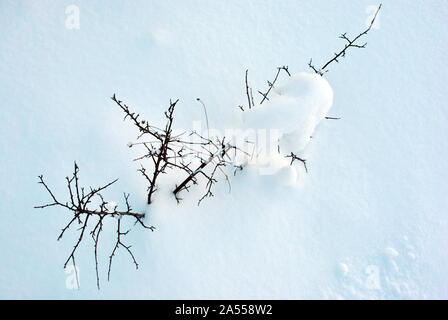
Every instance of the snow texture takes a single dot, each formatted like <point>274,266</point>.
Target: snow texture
<point>294,109</point>
<point>368,221</point>
<point>287,121</point>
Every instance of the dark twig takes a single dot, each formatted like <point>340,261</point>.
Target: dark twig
<point>351,43</point>
<point>271,84</point>
<point>294,157</point>
<point>159,151</point>
<point>79,205</point>
<point>248,94</point>
<point>332,118</point>
<point>168,152</point>
<point>217,157</point>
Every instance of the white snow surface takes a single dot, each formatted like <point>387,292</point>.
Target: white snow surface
<point>368,221</point>
<point>110,206</point>
<point>294,109</point>
<point>283,124</point>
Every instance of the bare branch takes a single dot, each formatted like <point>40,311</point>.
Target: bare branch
<point>351,43</point>
<point>294,157</point>
<point>332,118</point>
<point>249,102</point>
<point>271,84</point>
<point>81,212</point>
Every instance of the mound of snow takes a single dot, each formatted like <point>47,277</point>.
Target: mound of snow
<point>111,206</point>
<point>287,121</point>
<point>294,109</point>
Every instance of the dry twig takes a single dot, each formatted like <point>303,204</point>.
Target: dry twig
<point>351,43</point>
<point>80,206</point>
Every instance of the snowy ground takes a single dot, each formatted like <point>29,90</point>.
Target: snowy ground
<point>370,218</point>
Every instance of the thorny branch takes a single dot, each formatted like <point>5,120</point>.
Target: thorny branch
<point>80,206</point>
<point>351,43</point>
<point>271,84</point>
<point>295,157</point>
<point>160,151</point>
<point>177,152</point>
<point>250,98</point>
<point>218,159</point>
<point>165,151</point>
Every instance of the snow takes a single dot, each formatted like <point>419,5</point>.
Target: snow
<point>343,269</point>
<point>368,220</point>
<point>111,206</point>
<point>292,113</point>
<point>391,252</point>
